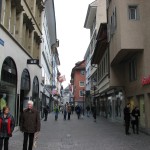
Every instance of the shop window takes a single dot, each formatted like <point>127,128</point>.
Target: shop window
<point>25,80</point>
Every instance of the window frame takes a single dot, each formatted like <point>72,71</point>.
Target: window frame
<point>80,83</point>
<point>136,15</point>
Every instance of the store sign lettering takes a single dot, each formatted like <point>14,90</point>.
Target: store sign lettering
<point>1,42</point>
<point>146,80</point>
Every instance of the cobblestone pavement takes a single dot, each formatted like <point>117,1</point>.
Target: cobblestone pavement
<point>83,134</point>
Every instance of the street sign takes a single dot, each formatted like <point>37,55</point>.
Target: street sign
<point>33,61</point>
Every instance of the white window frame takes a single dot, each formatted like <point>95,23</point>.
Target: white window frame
<point>80,84</point>
<point>80,93</point>
<point>131,7</point>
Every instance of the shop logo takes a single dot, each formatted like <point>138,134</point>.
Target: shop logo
<point>1,42</point>
<point>146,80</point>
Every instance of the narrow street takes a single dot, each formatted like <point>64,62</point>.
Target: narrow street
<point>83,134</point>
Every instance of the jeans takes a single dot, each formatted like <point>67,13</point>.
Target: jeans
<point>5,142</point>
<point>69,116</point>
<point>56,116</point>
<point>25,141</point>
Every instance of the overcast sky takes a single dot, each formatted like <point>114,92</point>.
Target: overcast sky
<point>73,37</point>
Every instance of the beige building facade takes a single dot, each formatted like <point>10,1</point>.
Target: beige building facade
<point>20,46</point>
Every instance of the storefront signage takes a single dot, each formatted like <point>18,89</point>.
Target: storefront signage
<point>1,42</point>
<point>33,61</point>
<point>146,80</point>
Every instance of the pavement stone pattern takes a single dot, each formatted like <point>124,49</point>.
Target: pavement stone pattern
<point>83,134</point>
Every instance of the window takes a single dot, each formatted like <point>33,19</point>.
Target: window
<point>82,72</point>
<point>133,70</point>
<point>133,15</point>
<point>81,83</point>
<point>81,93</point>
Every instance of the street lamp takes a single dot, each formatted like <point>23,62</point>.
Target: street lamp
<point>83,101</point>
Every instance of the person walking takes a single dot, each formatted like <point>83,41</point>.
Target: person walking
<point>29,125</point>
<point>135,122</point>
<point>56,111</point>
<point>94,112</point>
<point>7,125</point>
<point>72,109</point>
<point>127,118</point>
<point>78,111</point>
<point>45,111</point>
<point>65,111</point>
<point>88,110</point>
<point>69,111</point>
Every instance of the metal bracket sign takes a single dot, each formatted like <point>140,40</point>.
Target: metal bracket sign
<point>1,42</point>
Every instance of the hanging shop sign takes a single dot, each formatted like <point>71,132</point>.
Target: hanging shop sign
<point>33,61</point>
<point>2,42</point>
<point>146,80</point>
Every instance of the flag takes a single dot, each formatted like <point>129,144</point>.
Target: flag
<point>61,78</point>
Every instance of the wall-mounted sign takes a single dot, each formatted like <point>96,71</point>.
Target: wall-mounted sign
<point>33,61</point>
<point>2,42</point>
<point>146,80</point>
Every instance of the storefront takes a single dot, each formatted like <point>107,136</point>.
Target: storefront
<point>8,84</point>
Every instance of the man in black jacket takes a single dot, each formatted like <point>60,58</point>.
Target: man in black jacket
<point>135,115</point>
<point>127,118</point>
<point>29,124</point>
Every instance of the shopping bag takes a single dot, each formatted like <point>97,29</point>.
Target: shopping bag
<point>35,139</point>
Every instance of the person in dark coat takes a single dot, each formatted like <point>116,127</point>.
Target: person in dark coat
<point>78,111</point>
<point>135,122</point>
<point>94,112</point>
<point>29,124</point>
<point>7,125</point>
<point>127,118</point>
<point>45,111</point>
<point>88,110</point>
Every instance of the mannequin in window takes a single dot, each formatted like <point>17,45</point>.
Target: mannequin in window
<point>2,101</point>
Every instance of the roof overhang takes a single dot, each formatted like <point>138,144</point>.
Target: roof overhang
<point>91,13</point>
<point>124,55</point>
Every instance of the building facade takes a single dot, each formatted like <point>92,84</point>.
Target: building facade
<point>128,36</point>
<point>96,14</point>
<point>20,46</point>
<point>78,82</point>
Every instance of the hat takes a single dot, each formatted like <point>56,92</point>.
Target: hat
<point>30,102</point>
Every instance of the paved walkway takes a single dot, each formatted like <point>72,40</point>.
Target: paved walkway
<point>83,134</point>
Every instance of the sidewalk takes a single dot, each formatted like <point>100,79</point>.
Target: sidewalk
<point>83,134</point>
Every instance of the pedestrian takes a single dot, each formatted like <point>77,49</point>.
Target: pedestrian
<point>135,122</point>
<point>94,112</point>
<point>69,111</point>
<point>45,110</point>
<point>29,125</point>
<point>7,125</point>
<point>127,118</point>
<point>56,111</point>
<point>72,109</point>
<point>65,111</point>
<point>78,111</point>
<point>88,110</point>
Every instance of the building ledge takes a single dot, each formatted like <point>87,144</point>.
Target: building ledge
<point>124,54</point>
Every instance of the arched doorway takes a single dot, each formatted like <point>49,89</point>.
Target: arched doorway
<point>35,93</point>
<point>8,84</point>
<point>24,89</point>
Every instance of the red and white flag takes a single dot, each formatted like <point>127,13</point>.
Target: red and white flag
<point>61,78</point>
